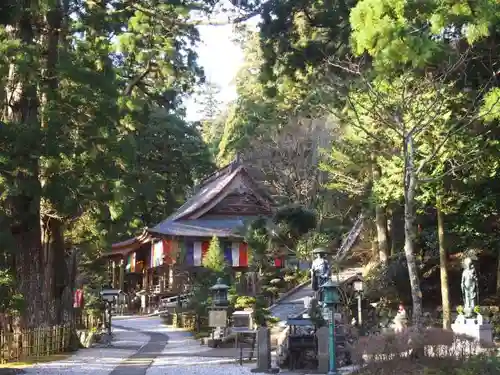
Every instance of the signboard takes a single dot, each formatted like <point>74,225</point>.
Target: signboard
<point>242,319</point>
<point>217,318</point>
<point>326,315</point>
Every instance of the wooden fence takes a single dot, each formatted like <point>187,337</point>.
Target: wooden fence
<point>89,322</point>
<point>187,321</point>
<point>34,343</point>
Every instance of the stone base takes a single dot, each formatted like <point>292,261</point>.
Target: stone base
<point>480,332</point>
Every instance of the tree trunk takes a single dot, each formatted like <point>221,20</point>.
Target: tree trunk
<point>498,273</point>
<point>382,235</point>
<point>380,219</point>
<point>53,262</point>
<point>443,268</point>
<point>24,207</point>
<point>391,232</point>
<point>55,269</point>
<point>409,230</point>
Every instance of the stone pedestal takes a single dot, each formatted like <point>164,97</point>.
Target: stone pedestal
<point>323,350</point>
<point>479,331</point>
<point>263,350</point>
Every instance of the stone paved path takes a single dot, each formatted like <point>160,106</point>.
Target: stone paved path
<point>144,346</point>
<point>140,361</point>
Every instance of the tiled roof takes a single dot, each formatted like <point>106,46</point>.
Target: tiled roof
<point>206,194</point>
<point>200,228</point>
<point>125,247</point>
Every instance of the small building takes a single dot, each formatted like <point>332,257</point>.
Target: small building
<point>162,259</point>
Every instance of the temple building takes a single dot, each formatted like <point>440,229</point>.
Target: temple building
<point>162,259</point>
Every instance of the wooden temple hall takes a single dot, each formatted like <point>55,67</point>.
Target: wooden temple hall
<point>158,262</point>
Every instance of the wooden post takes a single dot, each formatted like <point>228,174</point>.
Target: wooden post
<point>113,274</point>
<point>122,275</point>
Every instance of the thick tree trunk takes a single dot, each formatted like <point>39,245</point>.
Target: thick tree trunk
<point>443,268</point>
<point>409,229</point>
<point>54,265</point>
<point>25,205</point>
<point>56,273</point>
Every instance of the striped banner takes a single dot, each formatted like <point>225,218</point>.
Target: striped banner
<point>157,251</point>
<point>236,253</point>
<point>195,252</point>
<point>131,263</point>
<point>169,252</point>
<point>279,262</point>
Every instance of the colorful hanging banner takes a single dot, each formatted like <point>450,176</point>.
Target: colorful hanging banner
<point>78,299</point>
<point>236,254</point>
<point>195,252</point>
<point>131,263</point>
<point>169,252</point>
<point>157,251</point>
<point>279,262</point>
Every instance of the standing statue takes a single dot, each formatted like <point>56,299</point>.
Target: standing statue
<point>469,286</point>
<point>320,269</point>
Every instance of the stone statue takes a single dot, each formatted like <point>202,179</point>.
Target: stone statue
<point>320,269</point>
<point>469,286</point>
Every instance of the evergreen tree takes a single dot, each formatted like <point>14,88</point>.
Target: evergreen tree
<point>214,259</point>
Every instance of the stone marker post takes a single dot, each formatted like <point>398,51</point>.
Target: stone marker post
<point>263,350</point>
<point>323,352</point>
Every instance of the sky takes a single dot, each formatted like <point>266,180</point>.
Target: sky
<point>221,58</point>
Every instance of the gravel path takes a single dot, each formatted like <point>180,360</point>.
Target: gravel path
<point>144,346</point>
<point>94,361</point>
<point>183,355</point>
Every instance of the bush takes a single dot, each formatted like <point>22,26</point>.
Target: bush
<point>485,365</point>
<point>432,352</point>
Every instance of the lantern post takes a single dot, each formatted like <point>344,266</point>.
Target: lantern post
<point>358,287</point>
<point>331,298</point>
<point>109,296</point>
<point>217,316</point>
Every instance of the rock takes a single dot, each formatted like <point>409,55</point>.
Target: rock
<point>213,343</point>
<point>11,371</point>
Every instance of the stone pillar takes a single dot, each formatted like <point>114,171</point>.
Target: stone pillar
<point>323,352</point>
<point>121,279</point>
<point>263,350</point>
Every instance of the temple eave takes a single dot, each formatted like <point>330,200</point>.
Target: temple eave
<point>123,248</point>
<point>180,231</point>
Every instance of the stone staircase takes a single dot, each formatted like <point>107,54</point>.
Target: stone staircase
<point>294,303</point>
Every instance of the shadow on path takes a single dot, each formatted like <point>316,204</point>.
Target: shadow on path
<point>139,362</point>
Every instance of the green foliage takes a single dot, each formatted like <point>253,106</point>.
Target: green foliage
<point>214,259</point>
<point>11,302</point>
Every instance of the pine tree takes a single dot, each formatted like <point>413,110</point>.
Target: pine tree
<point>214,259</point>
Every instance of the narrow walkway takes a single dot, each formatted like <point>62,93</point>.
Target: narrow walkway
<point>140,361</point>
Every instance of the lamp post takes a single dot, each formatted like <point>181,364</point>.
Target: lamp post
<point>218,314</point>
<point>109,295</point>
<point>358,288</point>
<point>331,298</point>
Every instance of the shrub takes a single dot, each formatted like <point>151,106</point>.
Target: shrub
<point>485,365</point>
<point>433,351</point>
